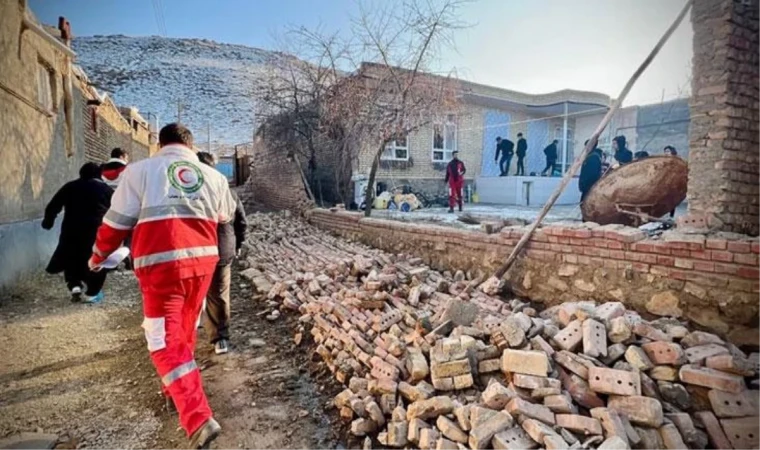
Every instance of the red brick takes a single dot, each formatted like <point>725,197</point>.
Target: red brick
<point>633,256</point>
<point>584,260</point>
<point>675,244</point>
<point>597,262</point>
<point>666,261</point>
<point>582,234</point>
<point>610,264</point>
<point>710,378</point>
<point>739,246</point>
<point>601,243</point>
<point>591,251</point>
<point>553,239</point>
<point>749,272</point>
<point>617,254</point>
<point>731,269</point>
<point>616,245</point>
<point>704,266</point>
<point>749,259</point>
<point>718,244</point>
<point>683,253</point>
<point>755,247</point>
<point>640,267</point>
<point>722,256</point>
<point>706,255</point>
<point>569,232</point>
<point>563,240</point>
<point>539,237</point>
<point>572,259</point>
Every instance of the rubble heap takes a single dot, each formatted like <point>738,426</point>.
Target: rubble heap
<point>430,362</point>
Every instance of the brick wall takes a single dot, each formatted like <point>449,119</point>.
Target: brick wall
<point>723,164</point>
<point>715,277</point>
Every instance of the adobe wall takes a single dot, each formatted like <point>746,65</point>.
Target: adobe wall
<point>723,162</point>
<point>275,181</point>
<point>714,278</point>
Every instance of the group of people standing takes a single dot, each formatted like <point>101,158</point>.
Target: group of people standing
<point>184,226</point>
<point>505,151</point>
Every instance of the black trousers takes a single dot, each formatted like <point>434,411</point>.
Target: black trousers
<point>521,165</point>
<point>77,276</point>
<point>218,305</point>
<point>550,164</point>
<point>504,164</point>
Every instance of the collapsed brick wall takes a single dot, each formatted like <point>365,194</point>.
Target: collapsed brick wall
<point>275,181</point>
<point>711,280</point>
<point>105,129</point>
<point>723,162</point>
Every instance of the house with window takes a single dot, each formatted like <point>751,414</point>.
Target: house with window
<point>483,114</point>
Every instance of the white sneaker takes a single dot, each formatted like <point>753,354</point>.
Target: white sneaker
<point>221,347</point>
<point>76,294</point>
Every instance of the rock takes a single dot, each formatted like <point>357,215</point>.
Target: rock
<point>584,285</point>
<point>675,393</point>
<point>619,330</point>
<point>664,304</point>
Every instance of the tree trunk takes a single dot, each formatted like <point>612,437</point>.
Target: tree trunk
<point>370,194</point>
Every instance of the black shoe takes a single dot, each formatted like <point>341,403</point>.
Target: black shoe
<point>76,294</point>
<point>451,210</point>
<point>171,408</point>
<point>203,437</point>
<point>460,208</point>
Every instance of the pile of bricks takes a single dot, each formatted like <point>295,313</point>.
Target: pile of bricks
<point>430,362</point>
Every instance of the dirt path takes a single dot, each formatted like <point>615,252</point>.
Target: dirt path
<point>82,372</point>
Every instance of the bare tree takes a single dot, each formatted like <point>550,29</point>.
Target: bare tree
<point>357,93</point>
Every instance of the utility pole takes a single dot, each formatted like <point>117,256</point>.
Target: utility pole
<point>208,137</point>
<point>179,110</point>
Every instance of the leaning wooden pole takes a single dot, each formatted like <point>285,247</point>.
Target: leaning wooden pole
<point>591,144</point>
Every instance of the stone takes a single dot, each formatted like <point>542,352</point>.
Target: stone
<point>727,404</point>
<point>697,338</point>
<point>742,433</point>
<point>525,361</point>
<point>614,443</point>
<point>361,427</point>
<point>480,436</point>
<point>520,407</point>
<point>557,284</point>
<point>429,409</point>
<point>460,312</point>
<point>708,318</point>
<point>428,438</point>
<point>416,364</point>
<point>664,353</point>
<point>555,443</point>
<point>397,434</point>
<point>513,332</point>
<point>594,338</point>
<point>664,373</point>
<point>650,438</point>
<point>619,330</point>
<point>415,429</point>
<point>617,382</point>
<point>637,358</point>
<point>710,378</point>
<point>462,414</point>
<point>496,396</point>
<point>567,270</point>
<point>570,337</point>
<point>584,285</point>
<point>614,352</point>
<point>639,410</point>
<point>450,430</point>
<point>579,424</point>
<point>676,394</point>
<point>664,304</point>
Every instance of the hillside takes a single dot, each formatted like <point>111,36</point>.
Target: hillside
<point>214,81</point>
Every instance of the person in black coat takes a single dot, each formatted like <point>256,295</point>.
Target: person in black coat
<point>591,172</point>
<point>551,157</point>
<point>84,201</point>
<point>522,150</point>
<point>231,236</point>
<point>506,149</point>
<point>622,154</point>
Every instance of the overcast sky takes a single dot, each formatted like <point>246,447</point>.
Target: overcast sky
<point>534,46</point>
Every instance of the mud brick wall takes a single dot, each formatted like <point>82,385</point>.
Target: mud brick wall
<point>713,279</point>
<point>275,181</point>
<point>723,162</point>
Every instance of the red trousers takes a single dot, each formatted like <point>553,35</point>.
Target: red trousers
<point>455,192</point>
<point>171,310</point>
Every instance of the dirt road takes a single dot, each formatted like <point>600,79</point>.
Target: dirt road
<point>82,372</point>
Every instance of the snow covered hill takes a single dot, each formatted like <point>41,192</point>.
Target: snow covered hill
<point>212,81</point>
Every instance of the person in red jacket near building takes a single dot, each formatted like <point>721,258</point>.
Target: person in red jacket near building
<point>172,205</point>
<point>113,168</point>
<point>455,171</point>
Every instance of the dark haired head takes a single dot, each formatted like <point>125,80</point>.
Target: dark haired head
<point>556,141</point>
<point>206,158</point>
<point>89,171</point>
<point>519,134</point>
<point>670,150</point>
<point>498,138</point>
<point>620,140</point>
<point>118,153</point>
<point>175,133</point>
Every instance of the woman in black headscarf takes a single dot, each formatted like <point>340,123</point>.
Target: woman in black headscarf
<point>84,201</point>
<point>622,154</point>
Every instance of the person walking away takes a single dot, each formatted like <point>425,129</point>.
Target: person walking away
<point>114,167</point>
<point>622,154</point>
<point>172,204</point>
<point>591,172</point>
<point>551,158</point>
<point>455,171</point>
<point>505,148</point>
<point>84,202</point>
<point>231,237</point>
<point>522,150</point>
<point>670,151</point>
<point>641,154</point>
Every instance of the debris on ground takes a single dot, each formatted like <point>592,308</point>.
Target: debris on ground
<point>428,362</point>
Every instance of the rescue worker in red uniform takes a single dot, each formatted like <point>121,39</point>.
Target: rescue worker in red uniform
<point>172,205</point>
<point>455,171</point>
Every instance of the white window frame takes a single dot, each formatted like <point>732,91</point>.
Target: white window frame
<point>446,155</point>
<point>45,88</point>
<point>389,154</point>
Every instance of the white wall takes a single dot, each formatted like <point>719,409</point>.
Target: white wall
<point>514,190</point>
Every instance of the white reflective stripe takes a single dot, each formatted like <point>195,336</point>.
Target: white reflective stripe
<point>176,211</point>
<point>119,221</point>
<point>174,255</point>
<point>155,332</point>
<point>178,372</point>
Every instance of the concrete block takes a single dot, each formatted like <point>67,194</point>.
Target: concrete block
<point>525,361</point>
<point>570,337</point>
<point>489,365</point>
<point>639,410</point>
<point>617,382</point>
<point>579,424</point>
<point>711,378</point>
<point>445,444</point>
<point>594,338</point>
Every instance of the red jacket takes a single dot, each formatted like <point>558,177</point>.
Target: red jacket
<point>172,204</point>
<point>455,171</point>
<point>111,171</point>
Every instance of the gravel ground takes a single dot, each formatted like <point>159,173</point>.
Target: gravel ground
<point>82,372</point>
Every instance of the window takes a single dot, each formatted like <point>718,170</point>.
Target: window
<point>45,86</point>
<point>396,150</point>
<point>444,139</point>
<point>570,146</point>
